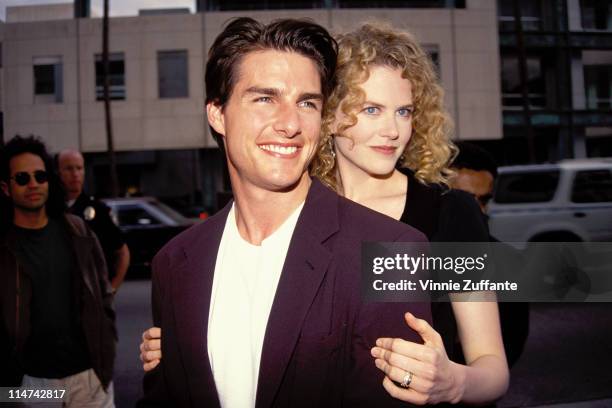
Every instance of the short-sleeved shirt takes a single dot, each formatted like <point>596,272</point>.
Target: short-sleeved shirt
<point>97,215</point>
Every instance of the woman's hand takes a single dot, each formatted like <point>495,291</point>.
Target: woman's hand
<point>150,348</point>
<point>433,377</point>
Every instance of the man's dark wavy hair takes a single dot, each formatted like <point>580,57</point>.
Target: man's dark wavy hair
<point>474,157</point>
<point>244,35</point>
<point>29,144</point>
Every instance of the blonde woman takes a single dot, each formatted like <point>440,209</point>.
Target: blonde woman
<point>386,111</point>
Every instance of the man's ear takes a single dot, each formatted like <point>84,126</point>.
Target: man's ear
<point>5,188</point>
<point>216,119</point>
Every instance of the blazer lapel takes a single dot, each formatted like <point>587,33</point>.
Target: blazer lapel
<point>305,267</point>
<point>192,288</point>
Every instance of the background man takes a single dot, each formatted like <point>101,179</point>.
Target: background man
<point>71,169</point>
<point>476,171</point>
<point>55,297</point>
<point>260,305</point>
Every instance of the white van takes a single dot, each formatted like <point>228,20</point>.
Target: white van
<point>567,201</point>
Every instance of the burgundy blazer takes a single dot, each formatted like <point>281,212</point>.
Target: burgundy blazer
<point>316,351</point>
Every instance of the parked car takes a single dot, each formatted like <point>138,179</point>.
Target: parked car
<point>567,201</point>
<point>148,225</point>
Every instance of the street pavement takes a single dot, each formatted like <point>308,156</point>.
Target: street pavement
<point>133,308</point>
<point>567,361</point>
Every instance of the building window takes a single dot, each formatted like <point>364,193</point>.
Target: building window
<point>219,5</point>
<point>116,68</point>
<point>531,15</point>
<point>172,74</point>
<point>511,82</point>
<point>596,14</point>
<point>598,84</point>
<point>401,4</point>
<point>48,80</point>
<point>598,78</point>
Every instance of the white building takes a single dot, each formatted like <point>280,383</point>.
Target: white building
<point>51,88</point>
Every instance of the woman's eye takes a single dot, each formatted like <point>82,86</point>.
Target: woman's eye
<point>404,112</point>
<point>371,110</point>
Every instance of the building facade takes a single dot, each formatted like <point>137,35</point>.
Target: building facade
<point>563,107</point>
<point>52,81</point>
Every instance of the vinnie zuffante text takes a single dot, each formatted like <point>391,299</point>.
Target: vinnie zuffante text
<point>459,265</point>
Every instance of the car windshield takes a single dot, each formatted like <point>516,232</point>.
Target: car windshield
<point>526,187</point>
<point>134,215</point>
<point>175,215</point>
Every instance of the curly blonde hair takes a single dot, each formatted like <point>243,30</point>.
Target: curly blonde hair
<point>429,150</point>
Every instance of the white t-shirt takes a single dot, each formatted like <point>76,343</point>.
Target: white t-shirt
<point>244,285</point>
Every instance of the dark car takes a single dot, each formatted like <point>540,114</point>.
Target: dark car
<point>148,225</point>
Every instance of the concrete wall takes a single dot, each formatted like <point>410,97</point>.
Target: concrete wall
<point>466,39</point>
<point>39,12</point>
<point>142,121</point>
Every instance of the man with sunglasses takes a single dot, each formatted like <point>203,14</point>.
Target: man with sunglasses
<point>71,170</point>
<point>476,171</point>
<point>56,317</point>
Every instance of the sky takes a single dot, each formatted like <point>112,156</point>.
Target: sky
<point>117,7</point>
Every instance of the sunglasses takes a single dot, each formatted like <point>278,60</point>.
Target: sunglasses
<point>22,178</point>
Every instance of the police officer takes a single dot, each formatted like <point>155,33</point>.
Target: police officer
<point>71,168</point>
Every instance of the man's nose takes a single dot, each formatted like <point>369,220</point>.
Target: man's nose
<point>288,120</point>
<point>32,183</point>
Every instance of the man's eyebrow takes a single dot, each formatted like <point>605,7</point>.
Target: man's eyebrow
<point>310,96</point>
<point>263,91</point>
<point>276,92</point>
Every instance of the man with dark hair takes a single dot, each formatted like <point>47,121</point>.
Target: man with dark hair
<point>260,306</point>
<point>71,169</point>
<point>476,171</point>
<point>55,298</point>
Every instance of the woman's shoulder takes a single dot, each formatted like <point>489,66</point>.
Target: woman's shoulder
<point>461,219</point>
<point>443,213</point>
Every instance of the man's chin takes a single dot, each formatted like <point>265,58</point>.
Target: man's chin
<point>286,184</point>
<point>32,208</point>
<point>76,191</point>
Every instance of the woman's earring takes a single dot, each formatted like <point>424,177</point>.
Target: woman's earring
<point>330,143</point>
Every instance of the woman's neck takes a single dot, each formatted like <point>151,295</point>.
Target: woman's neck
<point>362,188</point>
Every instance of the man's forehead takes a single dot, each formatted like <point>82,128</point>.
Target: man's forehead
<point>270,68</point>
<point>26,161</point>
<point>71,157</point>
<point>475,178</point>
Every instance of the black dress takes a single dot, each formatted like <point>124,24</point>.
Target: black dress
<point>444,215</point>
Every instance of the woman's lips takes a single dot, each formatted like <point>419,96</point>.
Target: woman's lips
<point>387,150</point>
